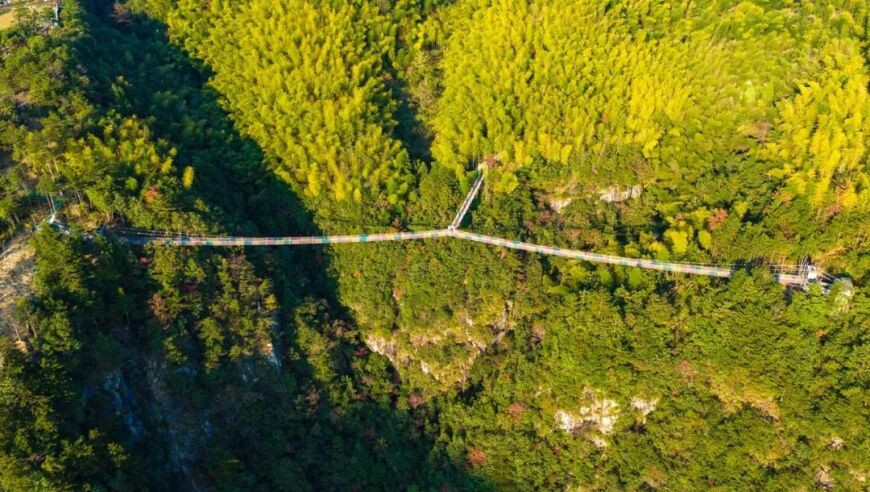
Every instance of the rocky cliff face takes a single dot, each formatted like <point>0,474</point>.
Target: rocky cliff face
<point>446,357</point>
<point>595,419</point>
<point>615,194</point>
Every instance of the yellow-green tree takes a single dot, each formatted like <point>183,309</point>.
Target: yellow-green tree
<point>822,134</point>
<point>306,81</point>
<point>621,93</point>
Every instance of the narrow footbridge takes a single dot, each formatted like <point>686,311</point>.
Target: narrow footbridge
<point>796,275</point>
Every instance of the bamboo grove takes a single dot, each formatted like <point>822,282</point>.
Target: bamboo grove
<point>711,132</point>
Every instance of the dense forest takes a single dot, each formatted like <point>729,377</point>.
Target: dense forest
<point>723,132</point>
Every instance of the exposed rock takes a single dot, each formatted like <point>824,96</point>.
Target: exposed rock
<point>558,204</point>
<point>420,341</point>
<point>125,403</point>
<point>448,353</point>
<point>600,417</point>
<point>645,407</point>
<point>268,351</point>
<point>836,443</point>
<point>383,347</point>
<point>603,413</point>
<point>504,323</point>
<point>567,421</point>
<point>598,441</point>
<point>616,194</point>
<point>186,433</point>
<point>387,348</point>
<point>823,478</point>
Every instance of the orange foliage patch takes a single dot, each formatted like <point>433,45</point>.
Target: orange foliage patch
<point>476,457</point>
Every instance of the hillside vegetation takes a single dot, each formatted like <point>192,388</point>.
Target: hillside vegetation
<point>718,132</point>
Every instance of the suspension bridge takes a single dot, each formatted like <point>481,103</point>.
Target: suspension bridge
<point>792,275</point>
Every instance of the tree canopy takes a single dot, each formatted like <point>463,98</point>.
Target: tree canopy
<point>718,132</point>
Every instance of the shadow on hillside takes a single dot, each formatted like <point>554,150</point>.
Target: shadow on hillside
<point>283,430</point>
<point>409,128</point>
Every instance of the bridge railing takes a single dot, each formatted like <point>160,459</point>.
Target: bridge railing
<point>801,275</point>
